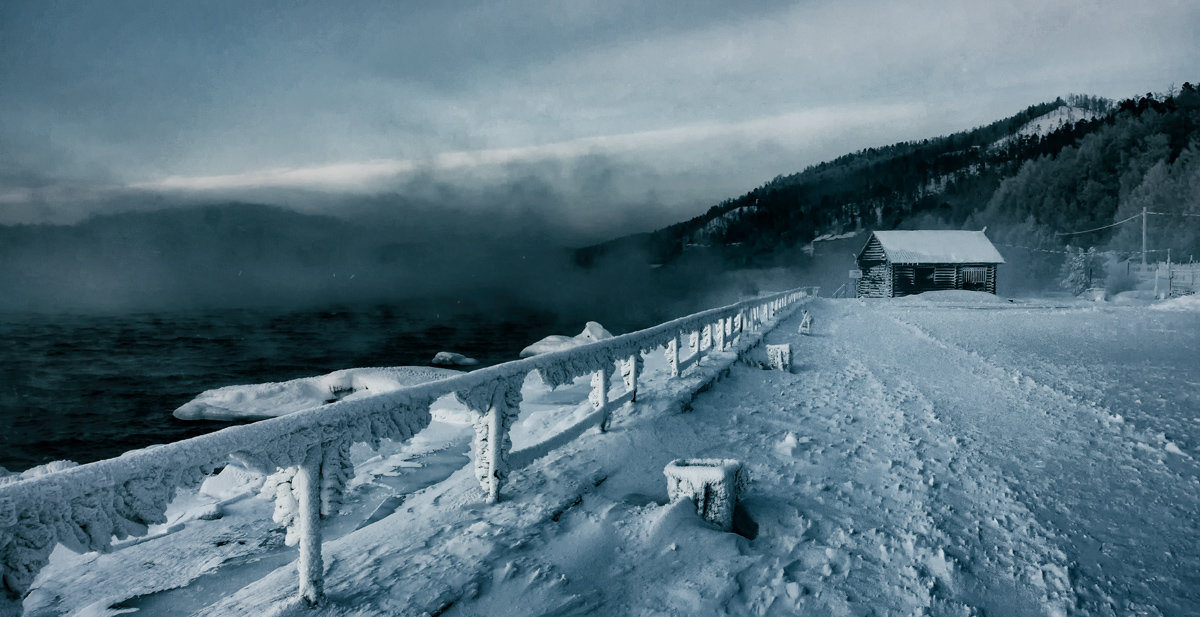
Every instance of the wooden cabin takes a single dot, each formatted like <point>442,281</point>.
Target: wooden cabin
<point>902,263</point>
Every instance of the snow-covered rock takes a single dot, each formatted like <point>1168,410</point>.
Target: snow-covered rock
<point>592,332</point>
<point>268,400</point>
<point>449,358</point>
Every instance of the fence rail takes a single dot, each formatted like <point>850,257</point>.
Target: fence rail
<point>84,508</point>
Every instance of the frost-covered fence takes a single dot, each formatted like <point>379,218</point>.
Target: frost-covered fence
<point>84,508</point>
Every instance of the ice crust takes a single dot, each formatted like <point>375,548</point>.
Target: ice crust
<point>85,507</point>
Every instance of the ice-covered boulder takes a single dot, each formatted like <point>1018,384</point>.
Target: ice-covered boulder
<point>449,358</point>
<point>592,332</point>
<point>268,400</point>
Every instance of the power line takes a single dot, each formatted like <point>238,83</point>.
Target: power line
<point>1173,214</point>
<point>1088,231</point>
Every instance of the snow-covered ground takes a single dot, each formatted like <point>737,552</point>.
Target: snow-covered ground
<point>948,455</point>
<point>1049,122</point>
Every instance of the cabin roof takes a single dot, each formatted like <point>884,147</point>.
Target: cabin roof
<point>937,247</point>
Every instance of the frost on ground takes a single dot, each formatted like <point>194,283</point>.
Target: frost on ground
<point>920,457</point>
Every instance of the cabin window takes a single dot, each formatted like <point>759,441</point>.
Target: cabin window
<point>975,278</point>
<point>924,277</point>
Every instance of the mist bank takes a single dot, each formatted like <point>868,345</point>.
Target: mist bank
<point>248,255</point>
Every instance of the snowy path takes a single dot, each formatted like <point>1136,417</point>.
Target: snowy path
<point>916,460</point>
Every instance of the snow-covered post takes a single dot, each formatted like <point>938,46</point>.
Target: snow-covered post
<point>631,368</point>
<point>599,394</point>
<point>673,355</point>
<point>694,344</point>
<point>729,331</point>
<point>715,485</point>
<point>718,334</point>
<point>779,357</point>
<point>706,337</point>
<point>498,405</point>
<point>307,486</point>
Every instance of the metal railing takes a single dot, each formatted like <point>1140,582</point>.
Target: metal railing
<point>86,507</point>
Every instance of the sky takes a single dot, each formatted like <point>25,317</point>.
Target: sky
<point>625,115</point>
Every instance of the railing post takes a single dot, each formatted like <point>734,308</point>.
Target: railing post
<point>493,468</point>
<point>599,394</point>
<point>706,337</point>
<point>631,368</point>
<point>307,484</point>
<point>498,409</point>
<point>718,334</point>
<point>672,352</point>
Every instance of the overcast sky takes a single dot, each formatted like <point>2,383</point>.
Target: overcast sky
<point>666,106</point>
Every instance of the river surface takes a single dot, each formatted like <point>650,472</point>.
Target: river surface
<point>89,387</point>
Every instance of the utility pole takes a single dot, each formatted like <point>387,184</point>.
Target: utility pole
<point>1143,235</point>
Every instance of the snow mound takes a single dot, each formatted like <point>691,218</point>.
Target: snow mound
<point>268,400</point>
<point>449,358</point>
<point>952,296</point>
<point>592,332</point>
<point>1183,303</point>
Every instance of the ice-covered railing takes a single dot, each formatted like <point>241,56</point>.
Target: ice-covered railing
<point>84,508</point>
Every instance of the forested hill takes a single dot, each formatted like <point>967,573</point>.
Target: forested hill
<point>1055,167</point>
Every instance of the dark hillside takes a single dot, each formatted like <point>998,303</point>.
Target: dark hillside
<point>1026,186</point>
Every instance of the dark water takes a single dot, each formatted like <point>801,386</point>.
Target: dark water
<point>88,387</point>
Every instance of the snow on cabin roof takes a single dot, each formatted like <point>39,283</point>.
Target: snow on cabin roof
<point>938,246</point>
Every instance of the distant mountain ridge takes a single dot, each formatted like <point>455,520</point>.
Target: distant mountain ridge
<point>965,180</point>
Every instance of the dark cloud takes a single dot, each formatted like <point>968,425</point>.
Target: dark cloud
<point>709,95</point>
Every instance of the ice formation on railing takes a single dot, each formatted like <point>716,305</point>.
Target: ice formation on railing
<point>86,507</point>
<point>498,405</point>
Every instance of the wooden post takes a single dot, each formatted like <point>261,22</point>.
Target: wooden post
<point>1144,236</point>
<point>307,484</point>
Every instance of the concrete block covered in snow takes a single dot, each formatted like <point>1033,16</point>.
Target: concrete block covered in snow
<point>779,357</point>
<point>713,484</point>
